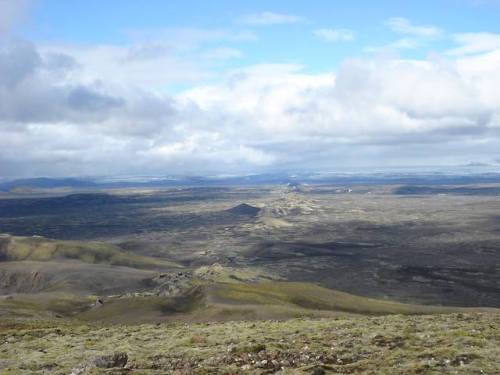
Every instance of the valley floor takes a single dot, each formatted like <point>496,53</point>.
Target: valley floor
<point>395,344</point>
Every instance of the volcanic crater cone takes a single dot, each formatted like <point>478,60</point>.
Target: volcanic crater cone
<point>244,209</point>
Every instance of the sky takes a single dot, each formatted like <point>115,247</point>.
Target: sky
<point>124,88</point>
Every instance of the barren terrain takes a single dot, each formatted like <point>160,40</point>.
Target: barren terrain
<point>90,262</point>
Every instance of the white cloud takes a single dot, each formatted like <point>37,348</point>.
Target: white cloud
<point>471,43</point>
<point>285,102</point>
<point>270,18</point>
<point>147,66</point>
<point>334,35</point>
<point>155,58</point>
<point>67,110</point>
<point>209,148</point>
<point>412,36</point>
<point>370,105</point>
<point>404,26</point>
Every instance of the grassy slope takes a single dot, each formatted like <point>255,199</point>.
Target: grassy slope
<point>70,276</point>
<point>210,301</point>
<point>313,297</point>
<point>47,306</point>
<point>327,335</point>
<point>395,344</point>
<point>42,249</point>
<point>218,294</point>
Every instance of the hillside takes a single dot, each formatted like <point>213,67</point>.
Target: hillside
<point>197,300</point>
<point>396,344</point>
<point>42,249</point>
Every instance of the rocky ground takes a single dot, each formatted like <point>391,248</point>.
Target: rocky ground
<point>395,344</point>
<point>125,282</point>
<point>431,245</point>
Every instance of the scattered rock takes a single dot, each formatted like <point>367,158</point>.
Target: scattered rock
<point>81,369</point>
<point>389,342</point>
<point>113,360</point>
<point>463,359</point>
<point>318,371</point>
<point>171,284</point>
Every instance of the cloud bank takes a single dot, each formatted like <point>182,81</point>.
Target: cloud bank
<point>70,110</point>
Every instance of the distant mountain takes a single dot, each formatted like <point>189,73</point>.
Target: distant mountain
<point>477,164</point>
<point>46,183</point>
<point>449,176</point>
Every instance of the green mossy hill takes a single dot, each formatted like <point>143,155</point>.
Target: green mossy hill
<point>211,301</point>
<point>43,249</point>
<point>393,344</point>
<point>315,298</point>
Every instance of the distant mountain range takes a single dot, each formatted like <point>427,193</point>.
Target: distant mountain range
<point>461,175</point>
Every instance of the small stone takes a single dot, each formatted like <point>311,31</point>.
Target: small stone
<point>318,371</point>
<point>81,369</point>
<point>113,360</point>
<point>98,303</point>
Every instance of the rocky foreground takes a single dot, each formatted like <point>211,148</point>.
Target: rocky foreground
<point>396,344</point>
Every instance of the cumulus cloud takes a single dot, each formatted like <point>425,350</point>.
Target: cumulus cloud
<point>334,35</point>
<point>270,18</point>
<point>97,110</point>
<point>155,58</point>
<point>367,101</point>
<point>145,65</point>
<point>471,43</point>
<point>31,89</point>
<point>404,26</point>
<point>368,105</point>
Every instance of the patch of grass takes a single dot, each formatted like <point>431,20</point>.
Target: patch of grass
<point>251,348</point>
<point>349,344</point>
<point>45,306</point>
<point>198,339</point>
